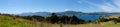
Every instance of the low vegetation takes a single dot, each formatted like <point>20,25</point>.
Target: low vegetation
<point>7,20</point>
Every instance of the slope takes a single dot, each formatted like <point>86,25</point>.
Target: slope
<point>7,21</point>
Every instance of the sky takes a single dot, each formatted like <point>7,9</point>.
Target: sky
<point>22,6</point>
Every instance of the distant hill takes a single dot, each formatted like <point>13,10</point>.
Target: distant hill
<point>36,13</point>
<point>82,15</point>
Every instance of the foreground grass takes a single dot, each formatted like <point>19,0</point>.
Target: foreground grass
<point>102,24</point>
<point>7,21</point>
<point>112,25</point>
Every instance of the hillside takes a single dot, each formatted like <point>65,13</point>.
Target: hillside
<point>10,21</point>
<point>7,21</point>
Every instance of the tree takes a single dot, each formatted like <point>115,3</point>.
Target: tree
<point>103,19</point>
<point>89,21</point>
<point>34,17</point>
<point>38,18</point>
<point>54,18</point>
<point>64,19</point>
<point>75,20</point>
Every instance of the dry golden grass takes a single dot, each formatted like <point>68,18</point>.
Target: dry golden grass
<point>102,24</point>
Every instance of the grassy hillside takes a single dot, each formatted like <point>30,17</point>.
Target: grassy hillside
<point>7,21</point>
<point>102,24</point>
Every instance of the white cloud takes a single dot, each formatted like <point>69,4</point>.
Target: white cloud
<point>88,2</point>
<point>117,2</point>
<point>80,1</point>
<point>108,7</point>
<point>67,10</point>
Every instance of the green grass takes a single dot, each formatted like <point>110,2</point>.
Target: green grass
<point>112,24</point>
<point>103,24</point>
<point>6,21</point>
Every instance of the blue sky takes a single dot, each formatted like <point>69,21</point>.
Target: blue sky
<point>22,6</point>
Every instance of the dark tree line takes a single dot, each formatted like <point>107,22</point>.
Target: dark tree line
<point>65,19</point>
<point>34,17</point>
<point>57,19</point>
